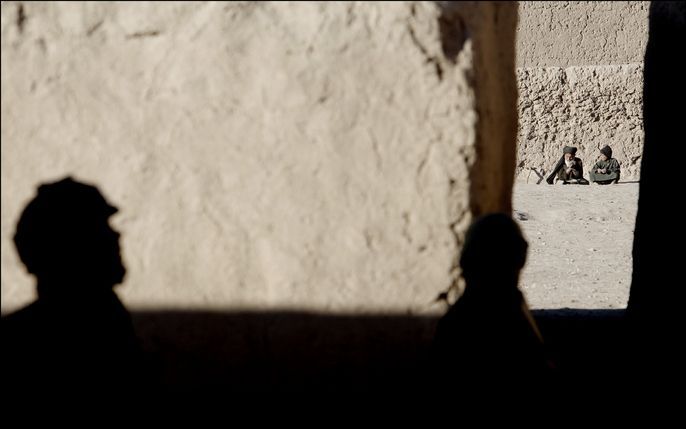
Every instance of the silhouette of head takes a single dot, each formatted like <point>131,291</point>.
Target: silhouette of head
<point>494,251</point>
<point>64,239</point>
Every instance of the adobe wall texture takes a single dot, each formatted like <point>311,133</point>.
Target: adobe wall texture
<point>580,80</point>
<point>312,156</point>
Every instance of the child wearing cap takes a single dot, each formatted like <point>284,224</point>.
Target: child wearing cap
<point>606,170</point>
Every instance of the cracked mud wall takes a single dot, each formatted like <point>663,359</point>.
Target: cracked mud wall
<point>316,156</point>
<point>580,80</point>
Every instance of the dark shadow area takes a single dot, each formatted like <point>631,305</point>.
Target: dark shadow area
<point>654,303</point>
<point>586,345</point>
<point>298,351</point>
<point>452,30</point>
<point>285,351</point>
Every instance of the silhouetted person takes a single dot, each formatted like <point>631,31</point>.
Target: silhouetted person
<point>488,337</point>
<point>77,334</point>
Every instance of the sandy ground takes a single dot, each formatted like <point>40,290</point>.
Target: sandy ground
<point>580,240</point>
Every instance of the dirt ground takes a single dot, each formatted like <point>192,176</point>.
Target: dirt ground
<point>580,240</point>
